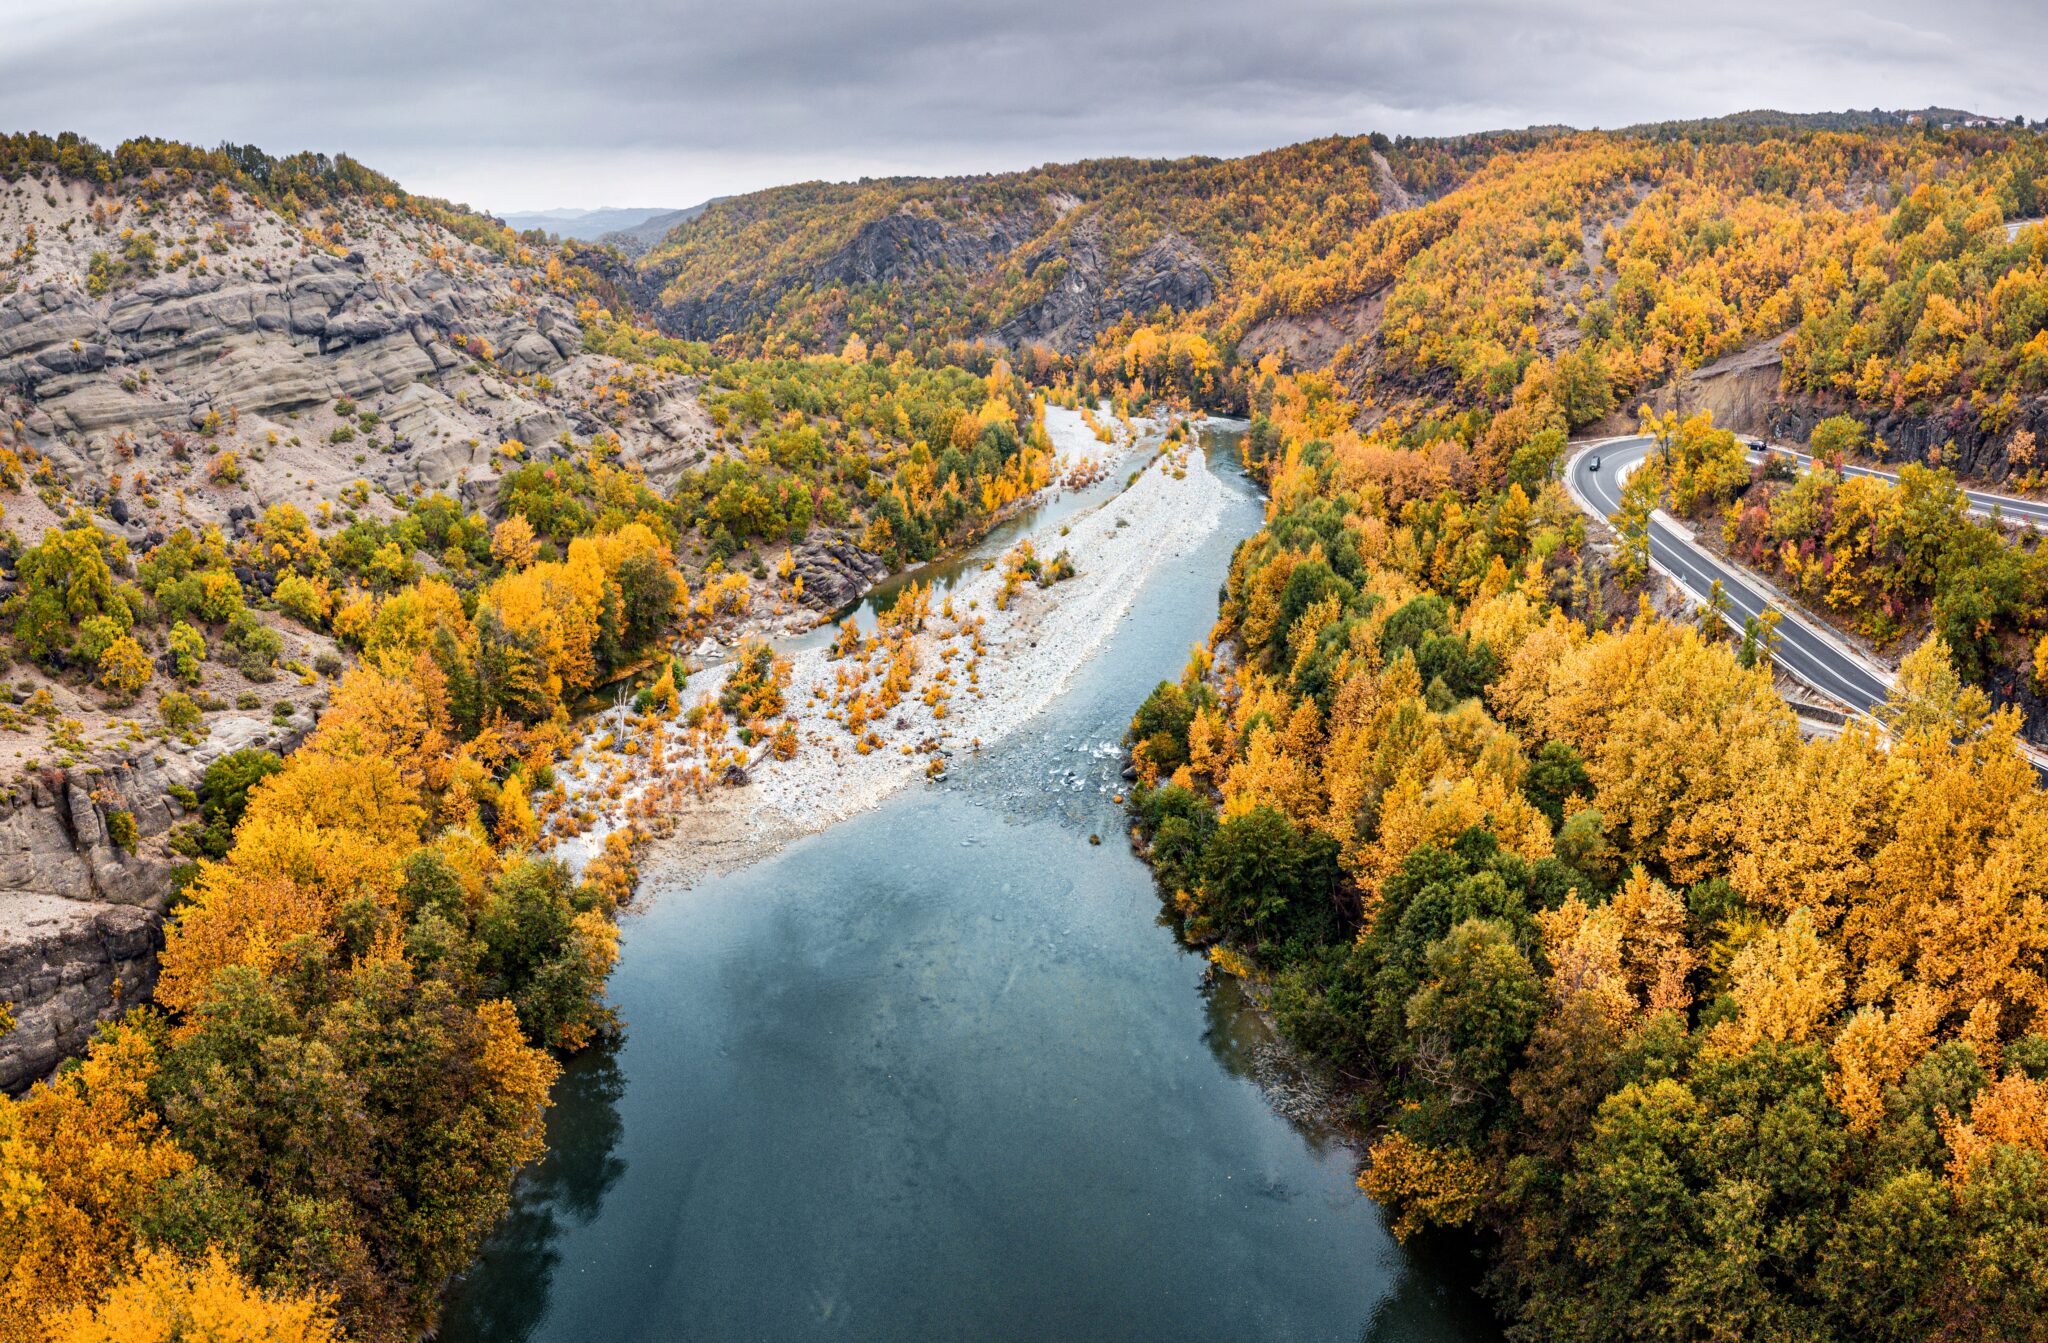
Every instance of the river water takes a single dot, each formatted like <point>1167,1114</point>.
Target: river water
<point>940,1072</point>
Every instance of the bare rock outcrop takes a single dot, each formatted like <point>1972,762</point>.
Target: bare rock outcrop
<point>1745,392</point>
<point>66,966</point>
<point>1171,272</point>
<point>904,245</point>
<point>1080,298</point>
<point>283,360</point>
<point>835,571</point>
<point>81,917</point>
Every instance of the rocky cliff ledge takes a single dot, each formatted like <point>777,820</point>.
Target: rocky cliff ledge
<point>81,918</point>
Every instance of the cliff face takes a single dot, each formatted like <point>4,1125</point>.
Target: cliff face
<point>81,919</point>
<point>261,343</point>
<point>901,248</point>
<point>1084,298</point>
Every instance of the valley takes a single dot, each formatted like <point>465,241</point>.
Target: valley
<point>1082,751</point>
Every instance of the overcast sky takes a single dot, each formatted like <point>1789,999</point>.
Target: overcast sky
<point>525,104</point>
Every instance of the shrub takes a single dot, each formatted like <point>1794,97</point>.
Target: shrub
<point>1264,878</point>
<point>258,643</point>
<point>304,599</point>
<point>188,651</point>
<point>65,581</point>
<point>177,710</point>
<point>122,830</point>
<point>224,795</point>
<point>753,689</point>
<point>226,469</point>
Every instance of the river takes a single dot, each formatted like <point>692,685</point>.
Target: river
<point>941,1072</point>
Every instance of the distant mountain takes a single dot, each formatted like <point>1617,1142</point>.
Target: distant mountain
<point>1737,124</point>
<point>588,225</point>
<point>638,238</point>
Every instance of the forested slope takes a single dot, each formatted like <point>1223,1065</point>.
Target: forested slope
<point>1707,1030</point>
<point>1050,258</point>
<point>1885,255</point>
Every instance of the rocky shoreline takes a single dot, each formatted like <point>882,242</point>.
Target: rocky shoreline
<point>1032,650</point>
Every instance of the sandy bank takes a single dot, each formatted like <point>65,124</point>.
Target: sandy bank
<point>1029,653</point>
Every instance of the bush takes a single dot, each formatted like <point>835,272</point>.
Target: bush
<point>1265,879</point>
<point>1838,434</point>
<point>188,651</point>
<point>534,954</point>
<point>753,690</point>
<point>1180,825</point>
<point>305,600</point>
<point>1553,777</point>
<point>224,795</point>
<point>178,712</point>
<point>259,646</point>
<point>122,830</point>
<point>64,582</point>
<point>1161,724</point>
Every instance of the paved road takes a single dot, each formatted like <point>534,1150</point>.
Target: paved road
<point>1982,502</point>
<point>1819,659</point>
<point>1815,658</point>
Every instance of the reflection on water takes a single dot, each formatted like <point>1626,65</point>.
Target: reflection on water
<point>506,1295</point>
<point>940,1073</point>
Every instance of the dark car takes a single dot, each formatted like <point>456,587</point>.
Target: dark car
<point>1594,464</point>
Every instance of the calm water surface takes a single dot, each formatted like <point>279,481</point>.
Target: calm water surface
<point>940,1073</point>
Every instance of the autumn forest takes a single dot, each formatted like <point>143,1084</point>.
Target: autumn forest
<point>387,591</point>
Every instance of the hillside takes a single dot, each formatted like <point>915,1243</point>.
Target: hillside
<point>1778,270</point>
<point>1053,257</point>
<point>1429,273</point>
<point>251,409</point>
<point>146,332</point>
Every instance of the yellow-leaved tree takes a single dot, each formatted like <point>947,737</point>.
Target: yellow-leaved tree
<point>168,1300</point>
<point>80,1157</point>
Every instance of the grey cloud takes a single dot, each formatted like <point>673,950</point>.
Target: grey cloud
<point>516,103</point>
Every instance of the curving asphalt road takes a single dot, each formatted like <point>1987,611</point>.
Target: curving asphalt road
<point>1982,503</point>
<point>1805,650</point>
<point>1817,658</point>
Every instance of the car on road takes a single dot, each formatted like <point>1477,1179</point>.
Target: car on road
<point>1594,464</point>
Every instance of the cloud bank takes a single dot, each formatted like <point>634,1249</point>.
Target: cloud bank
<point>512,104</point>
